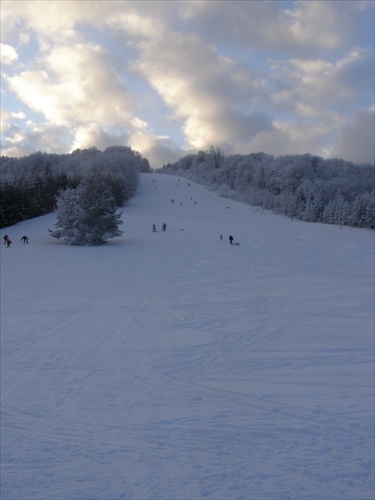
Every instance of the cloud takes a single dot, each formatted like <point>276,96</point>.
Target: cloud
<point>292,138</point>
<point>174,77</point>
<point>77,84</point>
<point>321,85</point>
<point>304,28</point>
<point>356,141</point>
<point>310,18</point>
<point>213,94</point>
<point>21,138</point>
<point>159,150</point>
<point>8,54</point>
<point>90,134</point>
<point>54,20</point>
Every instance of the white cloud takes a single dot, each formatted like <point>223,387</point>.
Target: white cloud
<point>78,84</point>
<point>19,116</point>
<point>54,20</point>
<point>214,94</point>
<point>135,25</point>
<point>23,139</point>
<point>8,54</point>
<point>158,150</point>
<point>90,134</point>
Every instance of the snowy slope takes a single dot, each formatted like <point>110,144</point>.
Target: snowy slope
<point>175,366</point>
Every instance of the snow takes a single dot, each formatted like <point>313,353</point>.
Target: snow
<point>172,365</point>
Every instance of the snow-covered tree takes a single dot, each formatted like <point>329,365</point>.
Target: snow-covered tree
<point>217,154</point>
<point>304,187</point>
<point>87,214</point>
<point>30,184</point>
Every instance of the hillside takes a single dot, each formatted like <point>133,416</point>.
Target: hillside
<point>172,365</point>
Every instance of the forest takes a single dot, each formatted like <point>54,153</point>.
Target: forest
<point>31,184</point>
<point>305,187</point>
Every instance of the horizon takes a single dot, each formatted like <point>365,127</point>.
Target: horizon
<point>191,153</point>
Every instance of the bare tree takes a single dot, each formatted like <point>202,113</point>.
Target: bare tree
<point>217,155</point>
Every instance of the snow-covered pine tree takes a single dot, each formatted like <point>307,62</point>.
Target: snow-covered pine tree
<point>87,215</point>
<point>66,215</point>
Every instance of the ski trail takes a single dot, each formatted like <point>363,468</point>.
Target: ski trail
<point>172,365</point>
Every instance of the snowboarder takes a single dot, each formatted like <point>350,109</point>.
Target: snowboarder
<point>153,228</point>
<point>231,239</point>
<point>25,239</point>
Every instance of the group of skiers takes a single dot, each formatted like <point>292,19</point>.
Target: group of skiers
<point>8,241</point>
<point>163,227</point>
<point>25,239</point>
<point>231,240</point>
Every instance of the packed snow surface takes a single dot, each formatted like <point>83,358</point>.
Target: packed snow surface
<point>172,365</point>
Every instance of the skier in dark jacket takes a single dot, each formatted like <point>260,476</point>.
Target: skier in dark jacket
<point>231,239</point>
<point>25,239</point>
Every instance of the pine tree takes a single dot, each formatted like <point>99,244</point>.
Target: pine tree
<point>87,214</point>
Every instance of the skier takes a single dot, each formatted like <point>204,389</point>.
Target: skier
<point>25,239</point>
<point>164,227</point>
<point>5,238</point>
<point>221,237</point>
<point>153,228</point>
<point>231,239</point>
<point>8,242</point>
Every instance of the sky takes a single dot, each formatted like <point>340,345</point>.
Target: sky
<point>170,78</point>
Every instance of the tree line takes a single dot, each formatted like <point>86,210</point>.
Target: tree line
<point>31,185</point>
<point>305,187</point>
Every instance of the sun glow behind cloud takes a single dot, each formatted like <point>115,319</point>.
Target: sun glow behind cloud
<point>169,78</point>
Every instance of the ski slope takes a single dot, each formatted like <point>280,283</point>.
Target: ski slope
<point>171,365</point>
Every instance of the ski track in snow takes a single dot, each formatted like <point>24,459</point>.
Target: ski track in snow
<point>175,366</point>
